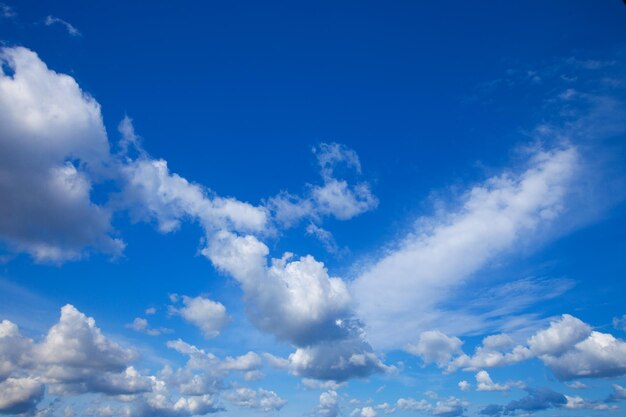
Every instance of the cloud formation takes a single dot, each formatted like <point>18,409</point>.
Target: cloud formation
<point>71,29</point>
<point>406,285</point>
<point>53,142</point>
<point>208,315</point>
<point>568,346</point>
<point>75,358</point>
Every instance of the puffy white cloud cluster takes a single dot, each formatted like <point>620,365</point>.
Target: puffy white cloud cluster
<point>298,301</point>
<point>75,358</point>
<point>435,347</point>
<point>335,197</point>
<point>569,347</point>
<point>260,399</point>
<point>449,407</point>
<point>410,282</point>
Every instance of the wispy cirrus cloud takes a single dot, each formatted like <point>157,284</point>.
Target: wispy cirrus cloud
<point>71,29</point>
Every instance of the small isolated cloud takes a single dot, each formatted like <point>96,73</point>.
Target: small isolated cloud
<point>51,20</point>
<point>324,236</point>
<point>7,11</point>
<point>485,383</point>
<point>336,197</point>
<point>323,385</point>
<point>140,325</point>
<point>208,315</point>
<point>576,385</point>
<point>620,323</point>
<point>450,407</point>
<point>464,385</point>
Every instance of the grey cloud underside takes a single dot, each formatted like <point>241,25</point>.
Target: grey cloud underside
<point>53,142</point>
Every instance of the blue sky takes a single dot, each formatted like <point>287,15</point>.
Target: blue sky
<point>312,209</point>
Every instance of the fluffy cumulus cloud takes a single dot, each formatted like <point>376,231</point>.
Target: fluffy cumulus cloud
<point>52,145</point>
<point>20,395</point>
<point>295,299</point>
<point>75,358</point>
<point>435,347</point>
<point>407,285</point>
<point>208,315</point>
<point>329,404</point>
<point>298,301</point>
<point>568,346</point>
<point>485,383</point>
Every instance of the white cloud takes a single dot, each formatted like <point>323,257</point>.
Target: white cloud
<point>337,360</point>
<point>324,385</point>
<point>406,285</point>
<point>620,323</point>
<point>434,346</point>
<point>338,199</point>
<point>485,383</point>
<point>324,236</point>
<point>464,385</point>
<point>76,342</point>
<point>329,404</point>
<point>20,395</point>
<point>51,20</point>
<point>335,197</point>
<point>569,347</point>
<point>298,301</point>
<point>599,355</point>
<point>559,337</point>
<point>368,412</point>
<point>7,11</point>
<point>141,325</point>
<point>151,191</point>
<point>576,385</point>
<point>579,403</point>
<point>260,399</point>
<point>619,393</point>
<point>294,299</point>
<point>450,407</point>
<point>208,315</point>
<point>52,142</point>
<point>14,349</point>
